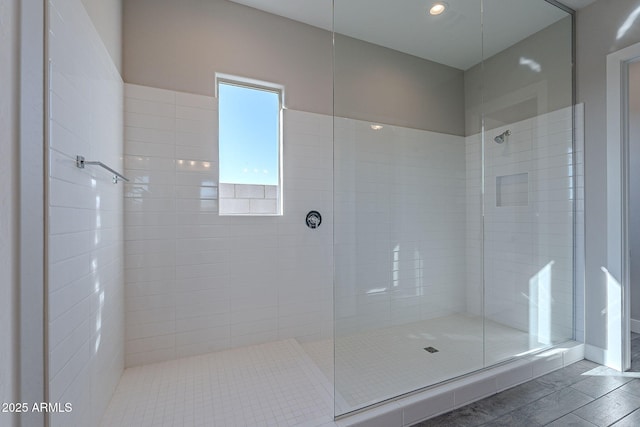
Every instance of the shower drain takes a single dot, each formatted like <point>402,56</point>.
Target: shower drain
<point>431,349</point>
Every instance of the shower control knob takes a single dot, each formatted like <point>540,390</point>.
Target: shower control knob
<point>314,219</point>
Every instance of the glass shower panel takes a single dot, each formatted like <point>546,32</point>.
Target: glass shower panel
<point>406,316</point>
<point>525,106</point>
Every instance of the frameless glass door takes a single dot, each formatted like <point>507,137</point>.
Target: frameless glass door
<point>527,117</point>
<point>405,314</point>
<point>453,190</point>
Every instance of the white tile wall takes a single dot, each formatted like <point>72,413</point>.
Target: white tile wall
<point>198,282</point>
<point>579,254</point>
<point>85,246</point>
<point>399,229</point>
<point>528,245</point>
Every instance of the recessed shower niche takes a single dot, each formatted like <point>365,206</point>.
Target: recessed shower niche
<point>512,190</point>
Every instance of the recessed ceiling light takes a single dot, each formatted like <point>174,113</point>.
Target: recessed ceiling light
<point>437,8</point>
<point>376,127</point>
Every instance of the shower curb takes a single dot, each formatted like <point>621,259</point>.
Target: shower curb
<point>420,406</point>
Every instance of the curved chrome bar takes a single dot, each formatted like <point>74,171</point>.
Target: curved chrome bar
<point>81,162</point>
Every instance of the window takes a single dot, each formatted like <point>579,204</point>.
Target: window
<point>249,147</point>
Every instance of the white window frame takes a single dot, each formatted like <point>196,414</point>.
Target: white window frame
<point>222,78</point>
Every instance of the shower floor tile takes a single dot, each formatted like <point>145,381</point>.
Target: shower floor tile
<point>286,383</point>
<point>381,364</point>
<point>274,384</point>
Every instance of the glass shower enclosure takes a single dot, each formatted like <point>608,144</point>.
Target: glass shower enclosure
<point>454,185</point>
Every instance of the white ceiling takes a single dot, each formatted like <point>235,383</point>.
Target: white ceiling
<point>453,38</point>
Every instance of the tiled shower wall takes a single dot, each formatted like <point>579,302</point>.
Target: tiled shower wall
<point>399,228</point>
<point>198,282</point>
<point>85,247</point>
<point>528,232</point>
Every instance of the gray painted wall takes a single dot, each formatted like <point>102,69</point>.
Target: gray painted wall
<point>9,42</point>
<point>503,80</point>
<point>634,203</point>
<point>180,46</point>
<point>377,84</point>
<point>106,16</point>
<point>597,36</point>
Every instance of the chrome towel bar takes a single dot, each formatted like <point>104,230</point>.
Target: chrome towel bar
<point>117,176</point>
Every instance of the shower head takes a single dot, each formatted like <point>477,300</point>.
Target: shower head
<point>500,138</point>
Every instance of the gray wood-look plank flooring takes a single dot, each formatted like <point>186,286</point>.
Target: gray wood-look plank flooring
<point>582,394</point>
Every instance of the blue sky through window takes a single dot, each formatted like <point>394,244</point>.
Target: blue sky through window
<point>249,121</point>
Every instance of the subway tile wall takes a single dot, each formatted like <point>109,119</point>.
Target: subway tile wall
<point>196,281</point>
<point>84,214</point>
<point>579,224</point>
<point>528,245</point>
<point>399,226</point>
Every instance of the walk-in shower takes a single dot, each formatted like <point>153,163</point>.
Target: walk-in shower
<point>395,246</point>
